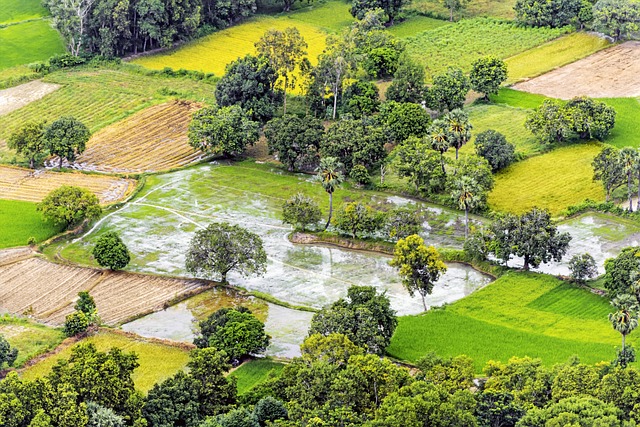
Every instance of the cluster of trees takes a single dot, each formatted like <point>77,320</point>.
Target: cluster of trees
<point>85,315</point>
<point>65,138</point>
<point>618,19</point>
<point>616,168</point>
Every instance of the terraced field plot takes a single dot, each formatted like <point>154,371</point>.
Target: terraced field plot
<point>610,73</point>
<point>48,291</point>
<point>29,338</point>
<point>17,97</point>
<point>33,186</point>
<point>152,140</point>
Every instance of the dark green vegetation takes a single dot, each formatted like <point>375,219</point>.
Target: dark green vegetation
<point>31,224</point>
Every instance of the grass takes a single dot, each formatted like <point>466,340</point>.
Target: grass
<point>20,10</point>
<point>19,221</point>
<point>332,16</point>
<point>157,361</point>
<point>416,24</point>
<point>625,133</point>
<point>460,44</point>
<point>520,314</point>
<point>554,54</point>
<point>254,372</point>
<point>31,339</point>
<point>518,99</point>
<point>28,42</point>
<point>494,8</point>
<point>553,181</point>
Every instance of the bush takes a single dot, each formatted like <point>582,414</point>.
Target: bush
<point>111,252</point>
<point>76,323</point>
<point>301,211</point>
<point>68,205</point>
<point>360,174</point>
<point>494,147</point>
<point>356,218</point>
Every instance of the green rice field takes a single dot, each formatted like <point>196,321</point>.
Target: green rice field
<point>19,221</point>
<point>31,339</point>
<point>252,373</point>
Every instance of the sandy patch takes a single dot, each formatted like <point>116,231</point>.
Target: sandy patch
<point>17,97</point>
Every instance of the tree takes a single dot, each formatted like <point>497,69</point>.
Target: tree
<point>357,218</point>
<point>582,267</point>
<point>216,393</point>
<point>625,318</point>
<point>66,138</point>
<point>99,416</point>
<point>487,74</point>
<point>173,401</point>
<point>629,159</point>
<point>414,160</point>
<point>111,252</point>
<point>459,129</point>
<point>497,409</point>
<point>249,83</point>
<point>574,411</point>
<point>29,141</point>
<point>301,211</point>
<point>87,305</point>
<point>547,13</point>
<point>330,176</point>
<point>403,222</point>
<point>221,248</point>
<point>391,7</point>
<point>616,18</point>
<point>494,147</point>
<point>8,354</point>
<point>68,205</point>
<point>408,83</point>
<point>448,90</point>
<point>354,142</point>
<point>364,317</point>
<point>400,120</point>
<point>76,323</point>
<point>549,121</point>
<point>465,192</point>
<point>537,239</point>
<point>420,266</point>
<point>235,331</point>
<point>239,417</point>
<point>222,131</point>
<point>440,137</point>
<point>333,348</point>
<point>295,140</point>
<point>589,118</point>
<point>284,50</point>
<point>454,6</point>
<point>619,271</point>
<point>269,409</point>
<point>607,168</point>
<point>360,99</point>
<point>70,19</point>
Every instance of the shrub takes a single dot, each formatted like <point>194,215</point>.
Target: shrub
<point>269,409</point>
<point>76,323</point>
<point>301,211</point>
<point>360,174</point>
<point>111,252</point>
<point>494,147</point>
<point>8,354</point>
<point>356,218</point>
<point>582,267</point>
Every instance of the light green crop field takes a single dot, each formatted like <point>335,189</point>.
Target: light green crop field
<point>494,8</point>
<point>20,10</point>
<point>460,44</point>
<point>517,98</point>
<point>520,314</point>
<point>332,15</point>
<point>19,221</point>
<point>254,372</point>
<point>554,181</point>
<point>556,53</point>
<point>28,42</point>
<point>157,361</point>
<point>101,97</point>
<point>415,25</point>
<point>625,132</point>
<point>31,339</point>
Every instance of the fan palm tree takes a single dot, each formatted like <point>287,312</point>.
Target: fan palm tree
<point>439,139</point>
<point>465,193</point>
<point>459,128</point>
<point>629,159</point>
<point>625,319</point>
<point>330,177</point>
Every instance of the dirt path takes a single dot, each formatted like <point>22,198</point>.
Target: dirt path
<point>17,97</point>
<point>610,73</point>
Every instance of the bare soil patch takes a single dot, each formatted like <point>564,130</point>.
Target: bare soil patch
<point>610,73</point>
<point>17,97</point>
<point>47,291</point>
<point>8,256</point>
<point>34,185</point>
<point>152,140</point>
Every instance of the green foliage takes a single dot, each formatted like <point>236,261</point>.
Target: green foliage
<point>360,99</point>
<point>68,205</point>
<point>497,408</point>
<point>225,131</point>
<point>448,90</point>
<point>111,252</point>
<point>582,267</point>
<point>269,409</point>
<point>354,142</point>
<point>360,175</point>
<point>253,373</point>
<point>86,305</point>
<point>357,219</point>
<point>240,417</point>
<point>549,122</point>
<point>391,8</point>
<point>408,83</point>
<point>99,416</point>
<point>8,354</point>
<point>221,248</point>
<point>450,373</point>
<point>235,331</point>
<point>301,211</point>
<point>608,168</point>
<point>365,318</point>
<point>334,348</point>
<point>66,138</point>
<point>249,82</point>
<point>454,6</point>
<point>459,128</point>
<point>173,401</point>
<point>575,411</point>
<point>295,140</point>
<point>619,270</point>
<point>420,265</point>
<point>29,142</point>
<point>403,222</point>
<point>542,13</point>
<point>402,120</point>
<point>493,146</point>
<point>616,18</point>
<point>76,323</point>
<point>487,74</point>
<point>414,160</point>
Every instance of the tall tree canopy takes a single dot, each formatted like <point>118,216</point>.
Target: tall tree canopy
<point>224,131</point>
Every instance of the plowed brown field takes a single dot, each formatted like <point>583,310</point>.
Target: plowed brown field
<point>154,139</point>
<point>47,291</point>
<point>610,73</point>
<point>33,186</point>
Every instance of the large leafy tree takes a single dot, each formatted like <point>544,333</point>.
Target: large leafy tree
<point>400,120</point>
<point>487,74</point>
<point>249,82</point>
<point>493,146</point>
<point>420,265</point>
<point>110,251</point>
<point>364,317</point>
<point>357,218</point>
<point>70,18</point>
<point>222,131</point>
<point>221,248</point>
<point>415,160</point>
<point>330,176</point>
<point>29,141</point>
<point>408,83</point>
<point>619,271</point>
<point>66,138</point>
<point>354,142</point>
<point>360,99</point>
<point>616,18</point>
<point>285,51</point>
<point>68,205</point>
<point>301,211</point>
<point>549,121</point>
<point>391,7</point>
<point>448,90</point>
<point>607,168</point>
<point>547,13</point>
<point>589,118</point>
<point>295,140</point>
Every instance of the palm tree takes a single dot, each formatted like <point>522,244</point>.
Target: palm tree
<point>625,319</point>
<point>440,139</point>
<point>465,192</point>
<point>459,128</point>
<point>629,159</point>
<point>330,177</point>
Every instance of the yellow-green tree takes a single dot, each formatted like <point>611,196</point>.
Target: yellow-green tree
<point>420,265</point>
